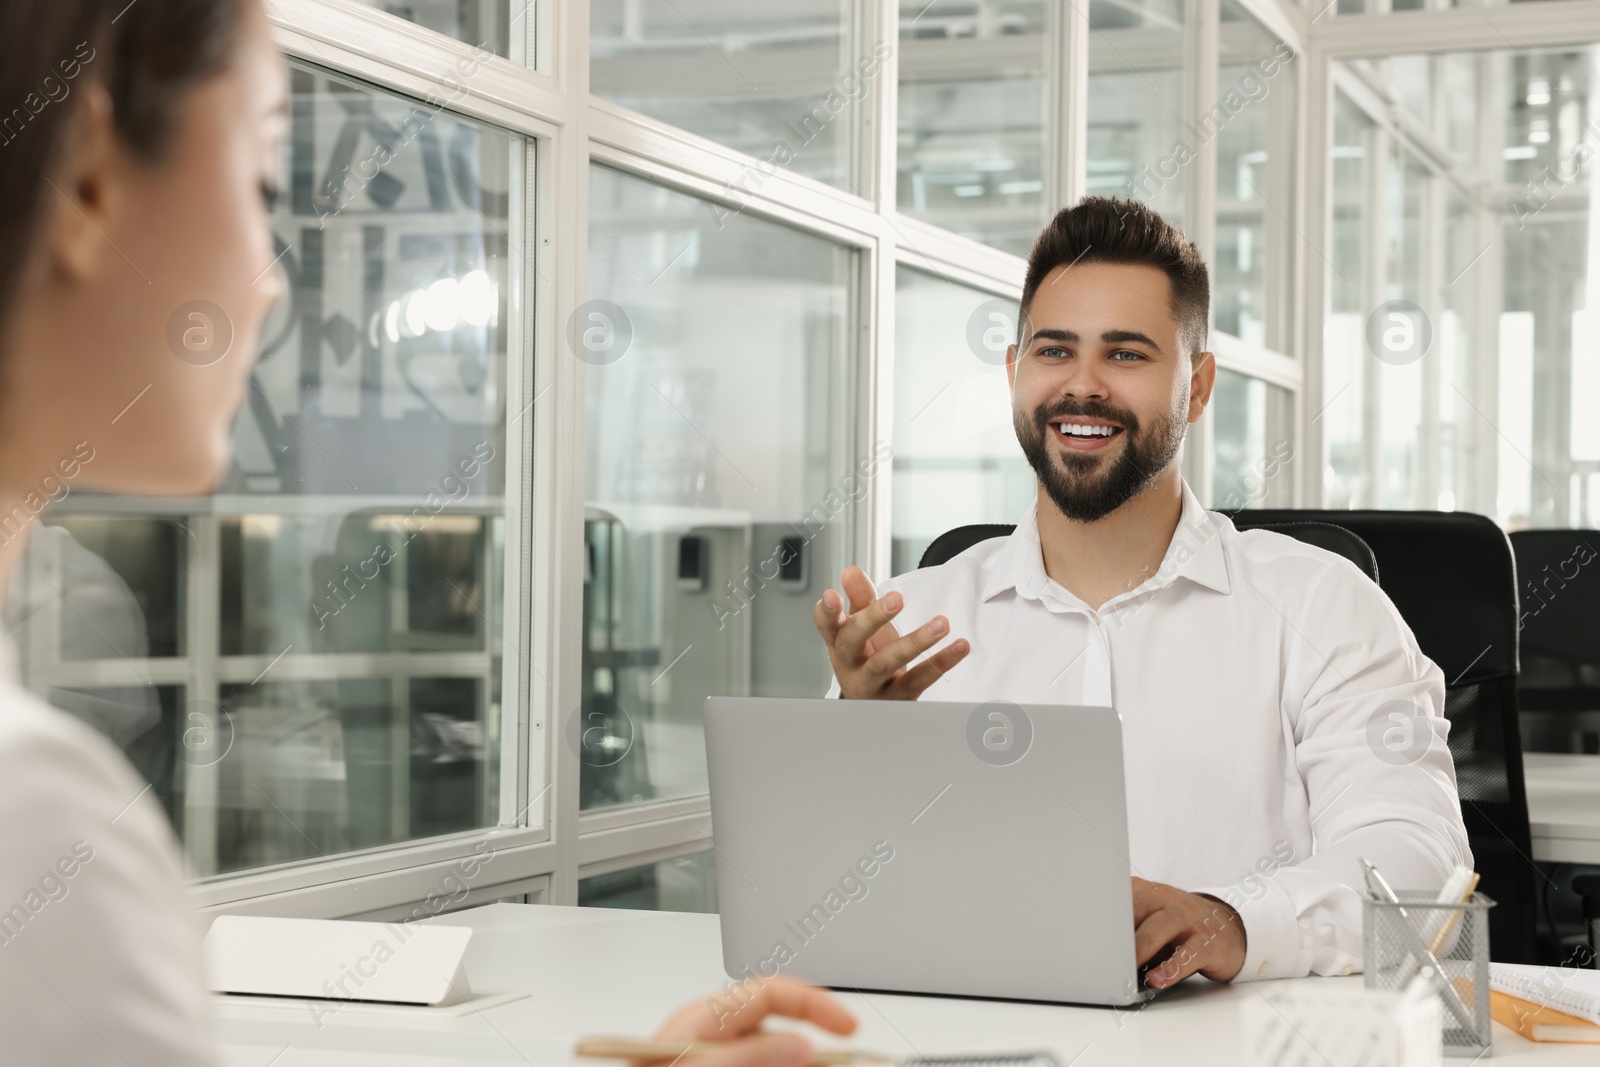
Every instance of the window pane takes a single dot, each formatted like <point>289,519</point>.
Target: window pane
<point>1253,127</point>
<point>956,459</point>
<point>687,883</point>
<point>782,82</point>
<point>1137,144</point>
<point>973,118</point>
<point>1458,450</point>
<point>487,24</point>
<point>321,638</point>
<point>109,586</point>
<point>1494,412</point>
<point>720,487</point>
<point>1253,443</point>
<point>318,768</point>
<point>1400,382</point>
<point>1351,289</point>
<point>1548,388</point>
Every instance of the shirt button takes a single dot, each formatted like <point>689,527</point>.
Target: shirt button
<point>1261,971</point>
<point>1347,969</point>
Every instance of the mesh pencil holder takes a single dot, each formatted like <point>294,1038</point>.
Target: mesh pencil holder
<point>1394,937</point>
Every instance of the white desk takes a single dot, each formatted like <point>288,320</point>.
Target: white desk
<point>594,971</point>
<point>1563,806</point>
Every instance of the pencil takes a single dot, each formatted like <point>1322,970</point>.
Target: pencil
<point>1453,918</point>
<point>624,1048</point>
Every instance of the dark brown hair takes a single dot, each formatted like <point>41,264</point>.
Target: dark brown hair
<point>1105,229</point>
<point>146,53</point>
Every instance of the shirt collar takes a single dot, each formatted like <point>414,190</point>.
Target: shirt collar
<point>1195,553</point>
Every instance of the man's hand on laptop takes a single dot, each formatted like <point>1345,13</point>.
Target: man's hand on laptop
<point>735,1017</point>
<point>869,655</point>
<point>1185,932</point>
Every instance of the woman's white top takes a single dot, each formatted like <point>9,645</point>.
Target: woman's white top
<point>100,957</point>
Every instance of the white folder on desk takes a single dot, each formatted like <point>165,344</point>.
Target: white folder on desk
<point>338,960</point>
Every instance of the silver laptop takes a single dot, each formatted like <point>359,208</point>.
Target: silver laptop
<point>954,848</point>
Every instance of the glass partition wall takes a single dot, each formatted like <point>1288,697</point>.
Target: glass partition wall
<point>617,329</point>
<point>1457,361</point>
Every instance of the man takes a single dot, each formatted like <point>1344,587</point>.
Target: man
<point>1247,666</point>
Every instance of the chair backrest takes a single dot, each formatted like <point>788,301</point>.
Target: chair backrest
<point>1453,579</point>
<point>1559,576</point>
<point>952,543</point>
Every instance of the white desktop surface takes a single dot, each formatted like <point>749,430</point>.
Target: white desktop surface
<point>599,971</point>
<point>1563,806</point>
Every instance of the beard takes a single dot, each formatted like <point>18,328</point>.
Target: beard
<point>1086,486</point>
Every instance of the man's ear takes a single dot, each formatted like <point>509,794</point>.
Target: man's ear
<point>83,206</point>
<point>1202,377</point>
<point>1011,367</point>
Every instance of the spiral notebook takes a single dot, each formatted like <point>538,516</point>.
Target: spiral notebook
<point>1567,989</point>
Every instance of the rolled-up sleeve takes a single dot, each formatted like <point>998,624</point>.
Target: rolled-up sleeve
<point>1366,709</point>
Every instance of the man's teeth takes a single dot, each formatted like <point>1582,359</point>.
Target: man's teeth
<point>1081,430</point>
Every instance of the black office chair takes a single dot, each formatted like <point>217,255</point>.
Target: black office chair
<point>1559,576</point>
<point>952,543</point>
<point>1326,535</point>
<point>1453,579</point>
<point>1558,688</point>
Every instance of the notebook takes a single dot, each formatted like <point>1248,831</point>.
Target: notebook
<point>1540,1024</point>
<point>1566,989</point>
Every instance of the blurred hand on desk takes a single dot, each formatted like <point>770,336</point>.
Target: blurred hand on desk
<point>724,1018</point>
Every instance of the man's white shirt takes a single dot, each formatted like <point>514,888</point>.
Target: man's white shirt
<point>1279,721</point>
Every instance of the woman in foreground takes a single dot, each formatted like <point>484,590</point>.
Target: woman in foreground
<point>139,148</point>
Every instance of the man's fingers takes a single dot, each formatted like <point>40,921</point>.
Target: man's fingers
<point>911,684</point>
<point>1188,958</point>
<point>1148,898</point>
<point>827,616</point>
<point>1157,932</point>
<point>850,644</point>
<point>858,587</point>
<point>896,654</point>
<point>1204,933</point>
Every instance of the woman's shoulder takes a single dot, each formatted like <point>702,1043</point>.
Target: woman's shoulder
<point>94,909</point>
<point>65,789</point>
<point>48,757</point>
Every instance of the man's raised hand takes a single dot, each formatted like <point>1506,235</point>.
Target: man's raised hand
<point>869,655</point>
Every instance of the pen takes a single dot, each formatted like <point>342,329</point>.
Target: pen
<point>623,1048</point>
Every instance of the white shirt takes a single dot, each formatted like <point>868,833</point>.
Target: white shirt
<point>100,958</point>
<point>1252,673</point>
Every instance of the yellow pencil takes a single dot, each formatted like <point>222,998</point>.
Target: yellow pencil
<point>1454,917</point>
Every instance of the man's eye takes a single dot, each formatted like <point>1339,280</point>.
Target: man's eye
<point>1052,353</point>
<point>1127,352</point>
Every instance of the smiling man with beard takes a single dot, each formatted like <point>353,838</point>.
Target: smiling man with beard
<point>1246,666</point>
